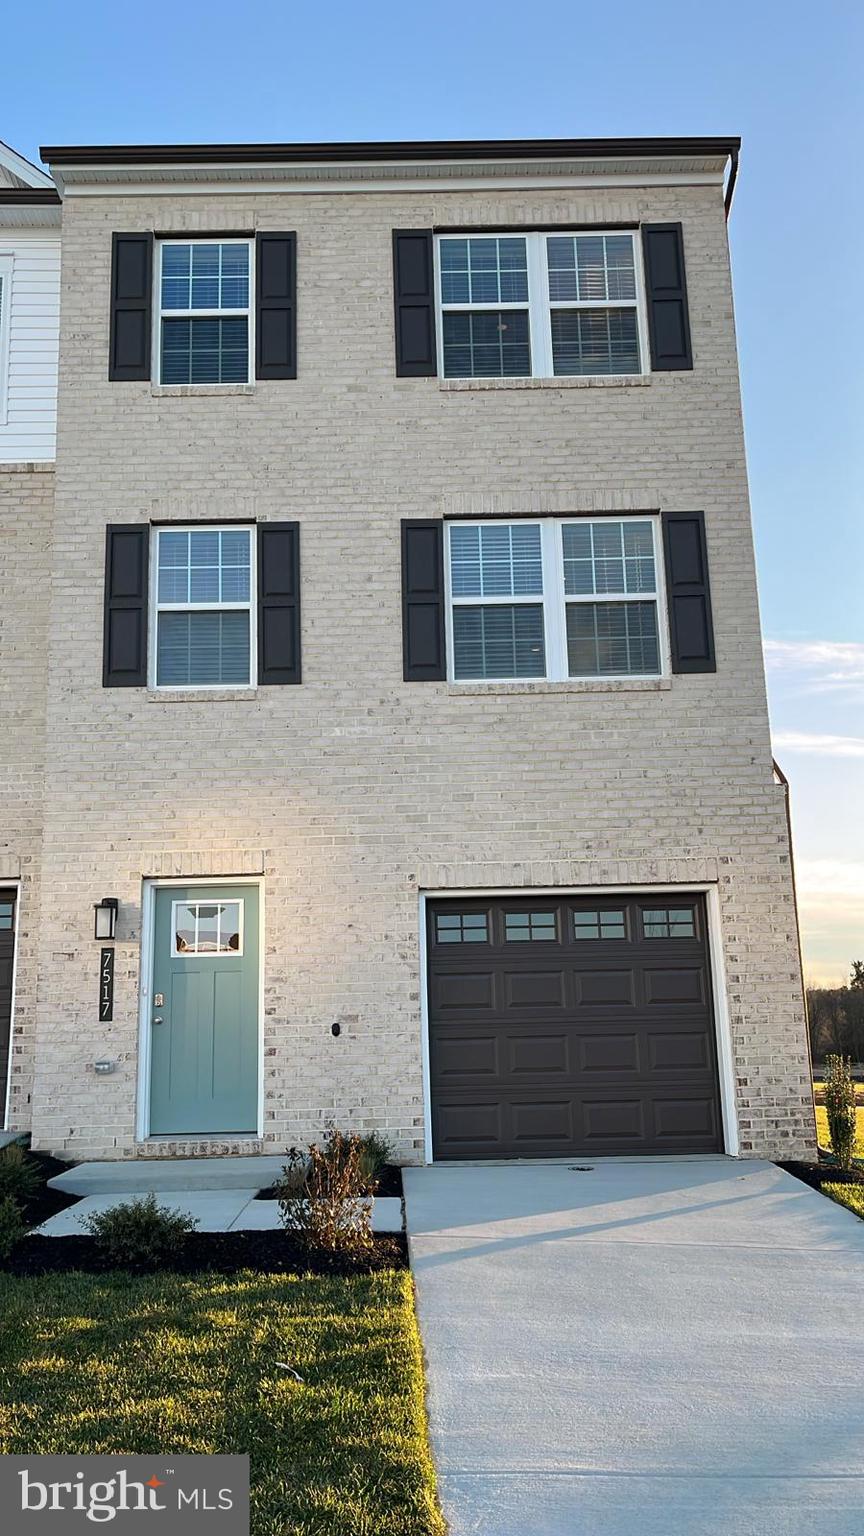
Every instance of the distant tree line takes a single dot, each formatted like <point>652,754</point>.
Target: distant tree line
<point>836,1017</point>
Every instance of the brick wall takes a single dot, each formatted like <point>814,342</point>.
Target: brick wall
<point>355,790</point>
<point>26,504</point>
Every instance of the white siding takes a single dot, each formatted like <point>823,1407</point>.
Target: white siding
<point>29,431</point>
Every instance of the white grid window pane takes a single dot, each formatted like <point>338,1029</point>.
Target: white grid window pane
<point>202,649</point>
<point>496,560</point>
<point>498,642</point>
<point>486,344</point>
<point>595,341</point>
<point>488,270</point>
<point>204,566</point>
<point>612,639</point>
<point>205,276</point>
<point>205,351</point>
<point>586,268</point>
<point>608,557</point>
<point>207,928</point>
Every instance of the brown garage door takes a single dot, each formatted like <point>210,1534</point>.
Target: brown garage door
<point>571,1026</point>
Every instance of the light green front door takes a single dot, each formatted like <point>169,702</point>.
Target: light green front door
<point>204,1011</point>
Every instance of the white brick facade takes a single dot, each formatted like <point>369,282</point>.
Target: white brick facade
<point>354,792</point>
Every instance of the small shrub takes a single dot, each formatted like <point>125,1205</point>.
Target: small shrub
<point>12,1227</point>
<point>375,1153</point>
<point>20,1175</point>
<point>840,1108</point>
<point>323,1196</point>
<point>139,1234</point>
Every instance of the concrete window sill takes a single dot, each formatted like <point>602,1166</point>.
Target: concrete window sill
<point>572,685</point>
<point>630,381</point>
<point>193,391</point>
<point>201,695</point>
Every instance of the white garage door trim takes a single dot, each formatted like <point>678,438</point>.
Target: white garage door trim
<point>725,1065</point>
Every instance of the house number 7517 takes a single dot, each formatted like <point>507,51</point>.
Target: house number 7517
<point>106,986</point>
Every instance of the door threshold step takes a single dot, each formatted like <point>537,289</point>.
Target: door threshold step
<point>142,1176</point>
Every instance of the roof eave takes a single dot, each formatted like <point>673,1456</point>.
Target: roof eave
<point>419,151</point>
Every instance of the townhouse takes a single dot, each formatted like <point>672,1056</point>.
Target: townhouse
<point>393,632</point>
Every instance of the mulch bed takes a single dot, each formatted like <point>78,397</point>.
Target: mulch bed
<point>46,1202</point>
<point>389,1185</point>
<point>225,1252</point>
<point>823,1172</point>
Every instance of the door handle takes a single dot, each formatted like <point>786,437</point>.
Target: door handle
<point>158,1021</point>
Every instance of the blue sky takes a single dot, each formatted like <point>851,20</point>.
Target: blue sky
<point>784,75</point>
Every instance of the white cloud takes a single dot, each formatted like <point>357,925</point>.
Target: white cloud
<point>818,665</point>
<point>832,879</point>
<point>817,745</point>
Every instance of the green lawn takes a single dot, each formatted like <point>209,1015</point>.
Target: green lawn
<point>188,1364</point>
<point>822,1129</point>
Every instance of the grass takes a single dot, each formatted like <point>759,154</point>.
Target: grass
<point>850,1195</point>
<point>124,1363</point>
<point>822,1129</point>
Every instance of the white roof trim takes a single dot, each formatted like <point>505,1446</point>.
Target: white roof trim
<point>24,170</point>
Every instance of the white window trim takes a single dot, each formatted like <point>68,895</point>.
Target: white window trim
<point>156,608</point>
<point>6,273</point>
<point>160,314</point>
<point>206,954</point>
<point>554,601</point>
<point>539,305</point>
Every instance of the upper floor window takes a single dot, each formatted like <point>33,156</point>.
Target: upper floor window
<point>204,580</point>
<point>204,313</point>
<point>541,305</point>
<point>557,598</point>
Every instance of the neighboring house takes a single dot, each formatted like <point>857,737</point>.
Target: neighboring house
<point>499,868</point>
<point>29,337</point>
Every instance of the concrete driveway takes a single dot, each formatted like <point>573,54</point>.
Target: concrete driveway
<point>650,1348</point>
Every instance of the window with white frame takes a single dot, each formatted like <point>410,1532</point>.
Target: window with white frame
<point>203,608</point>
<point>555,598</point>
<point>5,329</point>
<point>204,312</point>
<point>541,305</point>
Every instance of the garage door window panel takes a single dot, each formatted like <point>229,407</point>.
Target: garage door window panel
<point>669,922</point>
<point>527,927</point>
<point>599,925</point>
<point>461,928</point>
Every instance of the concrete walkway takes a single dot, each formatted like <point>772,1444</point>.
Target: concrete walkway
<point>653,1348</point>
<point>218,1192</point>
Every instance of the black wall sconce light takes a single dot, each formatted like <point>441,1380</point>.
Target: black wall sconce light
<point>106,917</point>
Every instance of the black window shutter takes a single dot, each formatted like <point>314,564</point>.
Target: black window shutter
<point>278,603</point>
<point>276,306</point>
<point>131,306</point>
<point>124,656</point>
<point>688,592</point>
<point>424,658</point>
<point>414,295</point>
<point>666,292</point>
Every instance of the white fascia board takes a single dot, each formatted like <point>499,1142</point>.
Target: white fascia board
<point>24,170</point>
